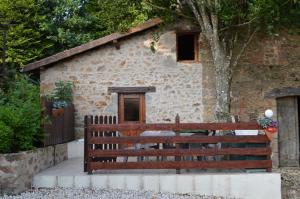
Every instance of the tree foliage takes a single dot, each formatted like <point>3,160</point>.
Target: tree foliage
<point>110,16</point>
<point>66,24</point>
<point>25,40</point>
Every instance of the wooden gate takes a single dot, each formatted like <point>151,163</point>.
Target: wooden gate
<point>59,129</point>
<point>100,120</point>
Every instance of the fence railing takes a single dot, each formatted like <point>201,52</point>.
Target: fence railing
<point>187,151</point>
<point>99,120</point>
<point>60,128</point>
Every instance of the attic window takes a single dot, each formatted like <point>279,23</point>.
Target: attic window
<point>187,49</point>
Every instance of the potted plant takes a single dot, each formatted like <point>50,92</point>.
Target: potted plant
<point>268,124</point>
<point>61,97</point>
<point>58,108</point>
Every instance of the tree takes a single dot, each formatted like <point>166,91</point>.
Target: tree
<point>228,27</point>
<point>25,41</point>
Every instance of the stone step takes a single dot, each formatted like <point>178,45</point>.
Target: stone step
<point>240,185</point>
<point>75,149</point>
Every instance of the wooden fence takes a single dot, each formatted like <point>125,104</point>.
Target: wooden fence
<point>58,129</point>
<point>99,120</point>
<point>181,154</point>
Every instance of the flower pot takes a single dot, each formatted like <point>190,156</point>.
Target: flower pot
<point>58,112</point>
<point>271,129</point>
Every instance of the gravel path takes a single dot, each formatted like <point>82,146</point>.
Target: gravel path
<point>73,193</point>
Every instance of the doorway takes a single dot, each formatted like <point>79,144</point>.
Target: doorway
<point>288,113</point>
<point>131,109</point>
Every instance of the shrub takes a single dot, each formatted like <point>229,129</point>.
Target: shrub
<point>6,138</point>
<point>20,110</point>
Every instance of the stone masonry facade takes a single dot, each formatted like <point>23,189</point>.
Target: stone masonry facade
<point>17,169</point>
<point>268,63</point>
<point>178,85</point>
<point>187,89</point>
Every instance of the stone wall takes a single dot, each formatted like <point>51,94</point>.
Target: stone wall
<point>267,64</point>
<point>17,169</point>
<point>178,85</point>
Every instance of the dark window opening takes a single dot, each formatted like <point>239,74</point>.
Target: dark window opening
<point>186,47</point>
<point>131,109</point>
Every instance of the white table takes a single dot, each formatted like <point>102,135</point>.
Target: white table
<point>155,133</point>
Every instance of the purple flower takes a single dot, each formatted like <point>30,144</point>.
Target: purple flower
<point>273,124</point>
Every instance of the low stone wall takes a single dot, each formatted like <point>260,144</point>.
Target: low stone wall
<point>290,182</point>
<point>17,169</point>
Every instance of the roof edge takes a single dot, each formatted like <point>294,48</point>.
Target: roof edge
<point>90,45</point>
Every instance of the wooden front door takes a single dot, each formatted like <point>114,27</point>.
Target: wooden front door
<point>132,109</point>
<point>288,132</point>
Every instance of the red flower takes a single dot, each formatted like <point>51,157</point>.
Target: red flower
<point>271,129</point>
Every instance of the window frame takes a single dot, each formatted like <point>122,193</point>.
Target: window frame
<point>121,107</point>
<point>196,47</point>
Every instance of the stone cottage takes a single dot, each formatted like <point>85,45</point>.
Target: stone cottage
<point>144,79</point>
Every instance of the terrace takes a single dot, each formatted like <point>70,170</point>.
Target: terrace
<point>185,161</point>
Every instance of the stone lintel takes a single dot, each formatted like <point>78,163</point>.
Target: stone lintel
<point>131,89</point>
<point>283,92</point>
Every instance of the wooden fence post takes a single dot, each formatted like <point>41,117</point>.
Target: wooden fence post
<point>177,158</point>
<point>88,147</point>
<point>85,144</point>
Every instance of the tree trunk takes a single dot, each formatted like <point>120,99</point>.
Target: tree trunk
<point>209,23</point>
<point>223,81</point>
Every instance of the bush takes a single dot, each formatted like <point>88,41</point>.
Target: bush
<point>6,134</point>
<point>20,111</point>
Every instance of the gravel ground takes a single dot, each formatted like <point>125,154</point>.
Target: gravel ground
<point>73,193</point>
